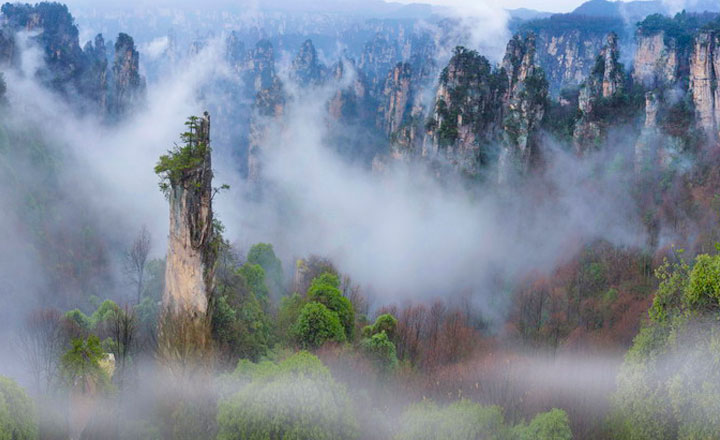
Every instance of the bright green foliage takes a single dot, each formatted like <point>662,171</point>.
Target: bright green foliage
<point>241,325</point>
<point>551,425</point>
<point>704,288</point>
<point>18,419</point>
<point>462,420</point>
<point>383,323</point>
<point>381,350</point>
<point>78,317</point>
<point>325,289</point>
<point>103,313</point>
<point>317,325</point>
<point>264,255</point>
<point>296,399</point>
<point>173,166</point>
<point>669,385</point>
<point>80,366</point>
<point>287,316</point>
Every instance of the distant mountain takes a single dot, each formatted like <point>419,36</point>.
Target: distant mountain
<point>636,10</point>
<point>639,9</point>
<point>527,14</point>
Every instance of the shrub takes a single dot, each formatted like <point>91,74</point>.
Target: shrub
<point>317,325</point>
<point>18,419</point>
<point>294,399</point>
<point>325,289</point>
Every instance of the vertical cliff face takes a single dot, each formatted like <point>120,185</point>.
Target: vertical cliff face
<point>462,125</point>
<point>96,73</point>
<point>377,59</point>
<point>352,102</point>
<point>269,102</point>
<point>191,256</point>
<point>656,61</point>
<point>396,98</point>
<point>605,82</point>
<point>649,140</point>
<point>128,86</point>
<point>704,73</point>
<point>524,105</point>
<point>306,69</point>
<point>567,57</point>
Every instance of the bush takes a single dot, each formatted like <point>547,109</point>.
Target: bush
<point>294,399</point>
<point>381,350</point>
<point>325,289</point>
<point>18,420</point>
<point>551,425</point>
<point>264,255</point>
<point>317,325</point>
<point>462,420</point>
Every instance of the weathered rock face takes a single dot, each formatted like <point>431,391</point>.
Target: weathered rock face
<point>189,274</point>
<point>378,58</point>
<point>704,74</point>
<point>649,138</point>
<point>269,103</point>
<point>400,113</point>
<point>656,60</point>
<point>352,102</point>
<point>306,69</point>
<point>567,57</point>
<point>81,75</point>
<point>396,98</point>
<point>605,81</point>
<point>96,74</point>
<point>523,106</point>
<point>462,126</point>
<point>128,86</point>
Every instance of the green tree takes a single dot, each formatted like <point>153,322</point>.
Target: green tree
<point>383,323</point>
<point>317,325</point>
<point>325,289</point>
<point>551,425</point>
<point>381,350</point>
<point>241,325</point>
<point>287,317</point>
<point>18,418</point>
<point>294,399</point>
<point>669,384</point>
<point>81,365</point>
<point>462,420</point>
<point>264,255</point>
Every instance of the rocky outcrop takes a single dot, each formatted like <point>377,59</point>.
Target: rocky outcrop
<point>704,74</point>
<point>656,61</point>
<point>523,106</point>
<point>189,274</point>
<point>306,69</point>
<point>649,140</point>
<point>605,82</point>
<point>379,56</point>
<point>462,126</point>
<point>269,102</point>
<point>401,110</point>
<point>128,87</point>
<point>95,76</point>
<point>80,75</point>
<point>567,46</point>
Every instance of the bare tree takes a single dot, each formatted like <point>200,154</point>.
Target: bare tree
<point>41,344</point>
<point>123,326</point>
<point>136,260</point>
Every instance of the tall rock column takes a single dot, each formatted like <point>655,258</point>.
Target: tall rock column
<point>523,106</point>
<point>191,255</point>
<point>128,85</point>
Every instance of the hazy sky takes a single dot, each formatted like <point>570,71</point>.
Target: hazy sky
<point>544,5</point>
